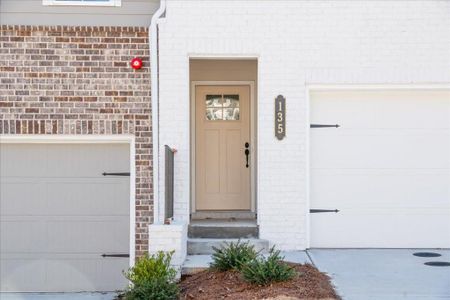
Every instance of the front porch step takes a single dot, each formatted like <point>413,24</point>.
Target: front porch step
<point>223,228</point>
<point>197,246</point>
<point>240,215</point>
<point>198,263</point>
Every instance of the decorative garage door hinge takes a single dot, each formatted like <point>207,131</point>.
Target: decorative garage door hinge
<point>314,211</point>
<point>323,126</point>
<point>116,255</point>
<point>116,174</point>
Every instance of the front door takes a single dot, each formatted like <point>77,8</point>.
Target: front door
<point>222,148</point>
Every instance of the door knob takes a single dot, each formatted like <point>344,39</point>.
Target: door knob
<point>247,153</point>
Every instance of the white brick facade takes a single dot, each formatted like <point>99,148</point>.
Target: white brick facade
<point>169,238</point>
<point>296,43</point>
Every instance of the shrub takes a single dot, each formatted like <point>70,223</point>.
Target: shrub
<point>233,256</point>
<point>152,278</point>
<point>154,289</point>
<point>263,270</point>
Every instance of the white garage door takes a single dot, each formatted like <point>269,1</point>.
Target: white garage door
<point>386,169</point>
<point>59,215</point>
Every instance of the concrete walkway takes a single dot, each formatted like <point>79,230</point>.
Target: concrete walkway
<point>57,296</point>
<point>384,274</point>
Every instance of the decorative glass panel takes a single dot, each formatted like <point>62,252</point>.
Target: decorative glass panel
<point>213,100</point>
<point>222,107</point>
<point>231,113</point>
<point>230,100</point>
<point>214,114</point>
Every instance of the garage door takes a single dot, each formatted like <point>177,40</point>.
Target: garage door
<point>386,169</point>
<point>59,215</point>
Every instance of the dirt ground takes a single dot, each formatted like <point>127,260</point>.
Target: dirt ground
<point>310,283</point>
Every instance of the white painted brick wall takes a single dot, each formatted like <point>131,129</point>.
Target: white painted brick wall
<point>168,238</point>
<point>296,43</point>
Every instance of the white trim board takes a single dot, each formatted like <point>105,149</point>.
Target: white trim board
<point>91,139</point>
<point>253,139</point>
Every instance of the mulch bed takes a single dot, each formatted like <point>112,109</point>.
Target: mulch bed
<point>310,283</point>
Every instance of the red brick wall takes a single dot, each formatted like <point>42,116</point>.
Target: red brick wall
<point>77,80</point>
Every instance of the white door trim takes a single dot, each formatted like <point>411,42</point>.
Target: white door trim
<point>309,88</point>
<point>91,139</point>
<point>253,148</point>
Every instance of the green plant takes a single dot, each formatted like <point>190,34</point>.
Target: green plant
<point>233,256</point>
<point>154,289</point>
<point>263,270</point>
<point>156,266</point>
<point>152,278</point>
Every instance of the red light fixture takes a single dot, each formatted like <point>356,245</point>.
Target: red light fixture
<point>136,63</point>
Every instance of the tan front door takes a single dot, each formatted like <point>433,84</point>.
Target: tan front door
<point>222,137</point>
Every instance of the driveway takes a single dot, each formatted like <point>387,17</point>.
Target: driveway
<point>385,274</point>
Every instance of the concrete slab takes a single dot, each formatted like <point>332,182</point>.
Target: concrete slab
<point>298,257</point>
<point>57,296</point>
<point>360,274</point>
<point>196,263</point>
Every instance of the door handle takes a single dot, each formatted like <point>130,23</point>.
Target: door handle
<point>247,153</point>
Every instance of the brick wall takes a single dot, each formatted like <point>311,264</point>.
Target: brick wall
<point>77,80</point>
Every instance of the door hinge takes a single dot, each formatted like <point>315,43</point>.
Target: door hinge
<point>314,211</point>
<point>323,126</point>
<point>116,174</point>
<point>116,255</point>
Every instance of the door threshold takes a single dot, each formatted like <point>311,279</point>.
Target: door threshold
<point>239,215</point>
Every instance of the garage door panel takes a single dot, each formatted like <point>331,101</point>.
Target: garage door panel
<point>381,230</point>
<point>65,236</point>
<point>385,188</point>
<point>85,273</point>
<point>24,197</point>
<point>95,160</point>
<point>381,150</point>
<point>71,196</point>
<point>22,160</point>
<point>67,273</point>
<point>75,197</point>
<point>20,236</point>
<point>387,169</point>
<point>15,274</point>
<point>382,109</point>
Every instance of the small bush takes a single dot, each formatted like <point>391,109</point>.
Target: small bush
<point>263,271</point>
<point>233,256</point>
<point>149,267</point>
<point>154,289</point>
<point>152,278</point>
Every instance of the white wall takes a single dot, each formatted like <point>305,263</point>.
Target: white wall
<point>296,43</point>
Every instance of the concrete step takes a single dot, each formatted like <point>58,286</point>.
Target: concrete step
<point>195,263</point>
<point>198,263</point>
<point>197,246</point>
<point>204,215</point>
<point>223,228</point>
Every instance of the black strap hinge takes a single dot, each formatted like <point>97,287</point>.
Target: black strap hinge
<point>116,174</point>
<point>314,211</point>
<point>323,126</point>
<point>116,255</point>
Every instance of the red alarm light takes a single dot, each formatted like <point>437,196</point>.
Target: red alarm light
<point>136,63</point>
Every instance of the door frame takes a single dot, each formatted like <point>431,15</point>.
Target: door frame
<point>253,141</point>
<point>91,139</point>
<point>310,88</point>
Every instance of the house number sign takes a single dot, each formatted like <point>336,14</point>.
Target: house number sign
<point>280,117</point>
